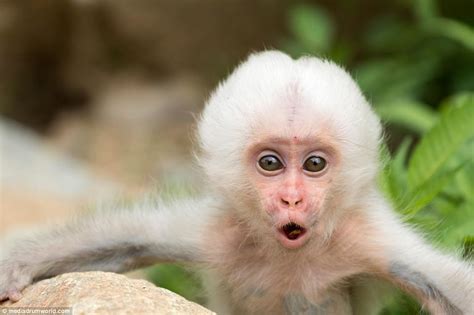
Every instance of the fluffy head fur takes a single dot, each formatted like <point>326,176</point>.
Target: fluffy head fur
<point>272,93</point>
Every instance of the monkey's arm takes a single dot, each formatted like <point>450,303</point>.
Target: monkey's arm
<point>443,284</point>
<point>117,241</point>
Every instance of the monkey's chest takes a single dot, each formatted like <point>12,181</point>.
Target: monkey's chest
<point>247,277</point>
<point>266,287</point>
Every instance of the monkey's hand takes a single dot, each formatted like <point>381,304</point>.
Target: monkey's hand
<point>13,279</point>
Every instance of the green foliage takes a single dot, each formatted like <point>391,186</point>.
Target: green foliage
<point>409,68</point>
<point>312,27</point>
<point>441,157</point>
<point>434,186</point>
<point>410,114</point>
<point>455,31</point>
<point>313,32</point>
<point>425,9</point>
<point>401,304</point>
<point>429,18</point>
<point>177,279</point>
<point>419,59</point>
<point>443,204</point>
<point>442,141</point>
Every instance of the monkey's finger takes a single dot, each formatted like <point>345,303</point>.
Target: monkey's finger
<point>14,295</point>
<point>3,296</point>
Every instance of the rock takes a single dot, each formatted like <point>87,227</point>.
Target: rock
<point>105,293</point>
<point>137,131</point>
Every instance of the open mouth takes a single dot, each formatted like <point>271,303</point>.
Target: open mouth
<point>292,231</point>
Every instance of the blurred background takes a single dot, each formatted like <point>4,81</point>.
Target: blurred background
<point>98,99</point>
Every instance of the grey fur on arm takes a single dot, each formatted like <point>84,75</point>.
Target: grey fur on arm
<point>433,277</point>
<point>114,240</point>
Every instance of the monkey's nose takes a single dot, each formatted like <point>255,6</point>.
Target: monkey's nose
<point>291,202</point>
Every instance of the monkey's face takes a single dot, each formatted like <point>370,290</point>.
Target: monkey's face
<point>291,145</point>
<point>292,176</point>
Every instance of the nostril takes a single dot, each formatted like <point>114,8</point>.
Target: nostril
<point>291,203</point>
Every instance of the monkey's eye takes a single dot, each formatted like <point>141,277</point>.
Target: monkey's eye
<point>270,163</point>
<point>314,164</point>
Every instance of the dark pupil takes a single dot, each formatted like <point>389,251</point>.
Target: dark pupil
<point>270,163</point>
<point>315,164</point>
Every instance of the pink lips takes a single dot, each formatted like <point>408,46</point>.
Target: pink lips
<point>292,235</point>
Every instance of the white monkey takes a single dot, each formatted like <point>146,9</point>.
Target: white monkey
<point>293,219</point>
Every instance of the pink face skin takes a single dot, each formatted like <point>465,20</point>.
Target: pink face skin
<point>293,187</point>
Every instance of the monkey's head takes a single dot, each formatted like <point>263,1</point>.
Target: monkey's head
<point>291,144</point>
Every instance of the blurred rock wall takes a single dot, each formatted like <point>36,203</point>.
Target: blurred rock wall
<point>56,54</point>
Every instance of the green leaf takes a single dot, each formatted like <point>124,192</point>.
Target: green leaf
<point>407,77</point>
<point>463,186</point>
<point>176,279</point>
<point>422,196</point>
<point>394,175</point>
<point>453,30</point>
<point>389,34</point>
<point>399,163</point>
<point>411,114</point>
<point>384,175</point>
<point>465,181</point>
<point>313,27</point>
<point>457,221</point>
<point>425,10</point>
<point>453,129</point>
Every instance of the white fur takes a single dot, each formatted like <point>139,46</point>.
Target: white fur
<point>253,96</point>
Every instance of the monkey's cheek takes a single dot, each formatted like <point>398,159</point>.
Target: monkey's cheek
<point>292,244</point>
